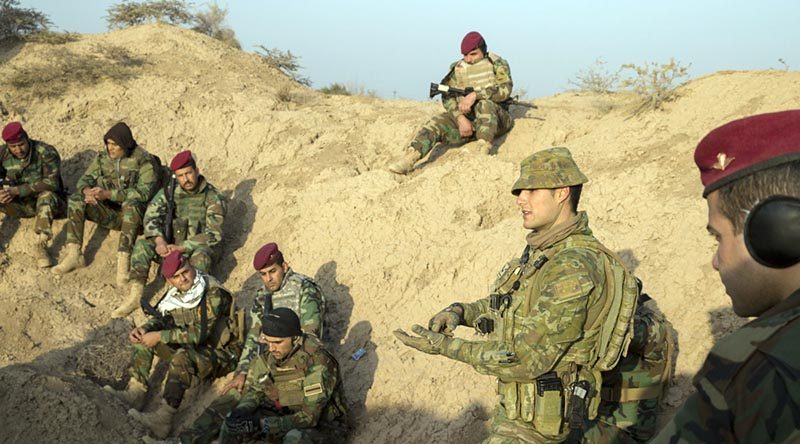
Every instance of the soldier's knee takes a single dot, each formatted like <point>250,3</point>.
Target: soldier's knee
<point>485,106</point>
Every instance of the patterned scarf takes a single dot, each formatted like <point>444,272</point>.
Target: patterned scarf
<point>188,299</point>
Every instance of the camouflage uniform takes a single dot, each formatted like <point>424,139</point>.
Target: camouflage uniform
<point>301,398</point>
<point>197,227</point>
<point>489,116</point>
<point>747,389</point>
<point>38,177</point>
<point>131,181</point>
<point>297,292</point>
<point>195,351</point>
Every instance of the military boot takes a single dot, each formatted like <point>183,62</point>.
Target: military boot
<point>72,260</point>
<point>132,302</point>
<point>405,163</point>
<point>42,258</point>
<point>123,267</point>
<point>133,395</point>
<point>483,146</point>
<point>158,421</point>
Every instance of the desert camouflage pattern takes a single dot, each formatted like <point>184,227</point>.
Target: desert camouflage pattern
<point>38,178</point>
<point>197,227</point>
<point>489,118</point>
<point>747,388</point>
<point>550,168</point>
<point>196,351</point>
<point>130,179</point>
<point>298,293</point>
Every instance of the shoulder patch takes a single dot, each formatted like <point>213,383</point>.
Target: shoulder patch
<point>312,390</point>
<point>568,288</point>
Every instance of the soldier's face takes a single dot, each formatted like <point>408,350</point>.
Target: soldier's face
<point>279,348</point>
<point>474,56</point>
<point>746,281</point>
<point>19,149</point>
<point>183,278</point>
<point>541,208</point>
<point>187,178</point>
<point>272,275</point>
<point>114,151</point>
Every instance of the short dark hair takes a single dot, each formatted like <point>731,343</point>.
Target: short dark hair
<point>744,193</point>
<point>575,196</point>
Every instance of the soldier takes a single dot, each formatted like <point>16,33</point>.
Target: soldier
<point>196,221</point>
<point>193,331</point>
<point>481,114</point>
<point>113,192</point>
<point>294,392</point>
<point>748,389</point>
<point>30,174</point>
<point>282,288</point>
<point>557,318</point>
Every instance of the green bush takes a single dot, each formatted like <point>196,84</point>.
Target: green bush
<point>52,37</point>
<point>16,22</point>
<point>284,61</point>
<point>212,23</point>
<point>131,13</point>
<point>655,83</point>
<point>335,89</point>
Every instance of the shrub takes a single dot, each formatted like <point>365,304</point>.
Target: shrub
<point>655,83</point>
<point>335,89</point>
<point>130,13</point>
<point>52,37</point>
<point>339,89</point>
<point>284,61</point>
<point>212,23</point>
<point>16,22</point>
<point>596,78</point>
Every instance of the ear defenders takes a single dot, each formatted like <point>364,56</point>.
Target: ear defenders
<point>772,232</point>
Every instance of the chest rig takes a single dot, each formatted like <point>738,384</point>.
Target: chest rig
<point>190,213</point>
<point>479,75</point>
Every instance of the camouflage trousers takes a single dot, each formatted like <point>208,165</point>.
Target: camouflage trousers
<point>488,119</point>
<point>144,252</point>
<point>125,218</point>
<point>44,207</point>
<point>187,366</point>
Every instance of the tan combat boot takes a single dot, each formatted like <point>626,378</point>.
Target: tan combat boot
<point>72,260</point>
<point>483,146</point>
<point>131,303</point>
<point>133,396</point>
<point>405,163</point>
<point>123,268</point>
<point>158,421</point>
<point>42,258</point>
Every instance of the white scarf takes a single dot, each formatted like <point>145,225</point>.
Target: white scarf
<point>188,299</point>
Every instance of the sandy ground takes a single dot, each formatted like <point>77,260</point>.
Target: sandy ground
<point>307,171</point>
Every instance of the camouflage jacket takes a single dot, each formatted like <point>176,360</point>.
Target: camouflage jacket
<point>189,329</point>
<point>198,219</point>
<point>297,292</point>
<point>40,171</point>
<point>747,389</point>
<point>306,387</point>
<point>130,178</point>
<point>498,93</point>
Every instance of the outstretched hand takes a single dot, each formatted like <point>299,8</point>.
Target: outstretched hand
<point>427,342</point>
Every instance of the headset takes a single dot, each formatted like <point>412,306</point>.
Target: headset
<point>772,231</point>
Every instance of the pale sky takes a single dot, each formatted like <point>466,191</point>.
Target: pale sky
<point>398,48</point>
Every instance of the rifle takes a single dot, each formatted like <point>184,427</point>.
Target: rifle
<point>169,193</point>
<point>449,91</point>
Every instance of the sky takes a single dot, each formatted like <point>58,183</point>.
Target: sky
<point>398,48</point>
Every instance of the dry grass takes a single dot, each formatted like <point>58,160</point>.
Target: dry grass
<point>655,83</point>
<point>596,78</point>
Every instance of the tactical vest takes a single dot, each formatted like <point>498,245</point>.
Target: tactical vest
<point>224,331</point>
<point>190,212</point>
<point>123,173</point>
<point>289,296</point>
<point>479,75</point>
<point>545,402</point>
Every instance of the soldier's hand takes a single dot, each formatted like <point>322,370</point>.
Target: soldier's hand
<point>465,103</point>
<point>178,248</point>
<point>136,334</point>
<point>464,126</point>
<point>446,321</point>
<point>240,422</point>
<point>5,197</point>
<point>102,195</point>
<point>151,339</point>
<point>237,382</point>
<point>427,342</point>
<point>162,249</point>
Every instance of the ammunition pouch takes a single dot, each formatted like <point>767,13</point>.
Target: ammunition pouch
<point>180,230</point>
<point>548,414</point>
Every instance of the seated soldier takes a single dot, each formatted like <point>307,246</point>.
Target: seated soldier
<point>294,392</point>
<point>30,173</point>
<point>192,330</point>
<point>113,192</point>
<point>196,229</point>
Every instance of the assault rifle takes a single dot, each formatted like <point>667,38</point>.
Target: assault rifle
<point>449,91</point>
<point>169,193</point>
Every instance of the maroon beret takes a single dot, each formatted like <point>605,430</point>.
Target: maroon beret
<point>471,41</point>
<point>172,263</point>
<point>267,255</point>
<point>744,146</point>
<point>182,160</point>
<point>14,133</point>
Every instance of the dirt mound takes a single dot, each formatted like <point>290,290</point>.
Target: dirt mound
<point>307,170</point>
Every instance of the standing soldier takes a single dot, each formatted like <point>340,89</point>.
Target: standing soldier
<point>193,330</point>
<point>481,114</point>
<point>748,389</point>
<point>557,318</point>
<point>195,211</point>
<point>30,174</point>
<point>113,192</point>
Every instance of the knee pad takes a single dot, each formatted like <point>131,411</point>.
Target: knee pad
<point>772,232</point>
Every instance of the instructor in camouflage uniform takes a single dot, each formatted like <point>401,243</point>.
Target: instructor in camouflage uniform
<point>557,318</point>
<point>30,172</point>
<point>748,389</point>
<point>194,332</point>
<point>198,215</point>
<point>481,114</point>
<point>113,192</point>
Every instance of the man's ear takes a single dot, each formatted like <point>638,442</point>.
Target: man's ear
<point>562,194</point>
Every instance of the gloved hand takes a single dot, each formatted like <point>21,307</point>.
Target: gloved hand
<point>445,321</point>
<point>239,422</point>
<point>428,341</point>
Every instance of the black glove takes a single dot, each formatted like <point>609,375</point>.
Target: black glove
<point>240,422</point>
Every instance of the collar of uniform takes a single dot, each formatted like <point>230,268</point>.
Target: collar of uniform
<point>578,224</point>
<point>784,306</point>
